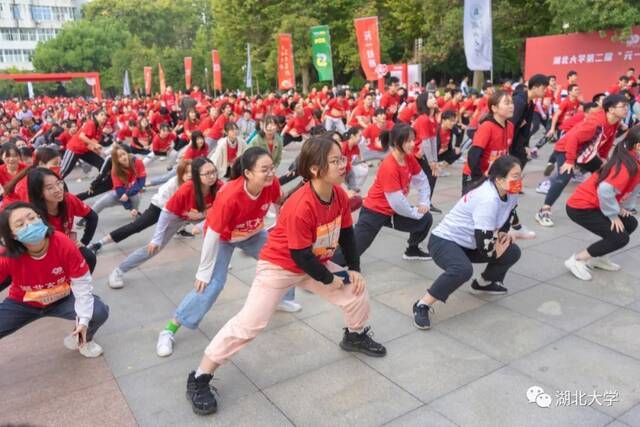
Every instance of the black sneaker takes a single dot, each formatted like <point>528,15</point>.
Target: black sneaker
<point>95,247</point>
<point>200,394</point>
<point>421,316</point>
<point>435,210</point>
<point>415,253</point>
<point>185,233</point>
<point>362,342</point>
<point>493,288</point>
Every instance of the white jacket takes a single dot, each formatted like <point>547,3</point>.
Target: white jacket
<point>165,192</point>
<point>219,156</point>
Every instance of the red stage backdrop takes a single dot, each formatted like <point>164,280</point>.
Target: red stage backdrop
<point>599,61</point>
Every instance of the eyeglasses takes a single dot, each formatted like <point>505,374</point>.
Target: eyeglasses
<point>211,174</point>
<point>339,161</point>
<point>271,170</point>
<point>625,106</point>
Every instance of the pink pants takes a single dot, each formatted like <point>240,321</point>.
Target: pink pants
<point>270,284</point>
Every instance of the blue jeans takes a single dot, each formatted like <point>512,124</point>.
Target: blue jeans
<point>14,315</point>
<point>194,306</point>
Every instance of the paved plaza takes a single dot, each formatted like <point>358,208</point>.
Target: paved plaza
<point>578,341</point>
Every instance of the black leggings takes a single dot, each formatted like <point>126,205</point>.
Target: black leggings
<point>148,218</point>
<point>456,262</point>
<point>370,223</point>
<point>70,159</point>
<point>597,223</point>
<point>288,139</point>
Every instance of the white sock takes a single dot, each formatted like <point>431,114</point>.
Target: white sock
<point>422,303</point>
<point>356,331</point>
<point>482,282</point>
<point>199,372</point>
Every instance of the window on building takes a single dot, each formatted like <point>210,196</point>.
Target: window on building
<point>15,11</point>
<point>41,13</point>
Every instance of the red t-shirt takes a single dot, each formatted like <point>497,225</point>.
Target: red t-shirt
<point>595,128</point>
<point>143,136</point>
<point>138,171</point>
<point>299,123</point>
<point>91,131</point>
<point>391,177</point>
<point>42,282</point>
<point>586,194</point>
<point>304,222</point>
<point>408,113</point>
<point>235,215</point>
<point>445,138</point>
<point>425,127</point>
<point>123,134</point>
<point>567,109</point>
<point>451,106</point>
<point>350,153</point>
<point>372,132</point>
<point>361,111</point>
<point>163,145</point>
<point>157,119</point>
<point>75,208</point>
<point>390,104</point>
<point>232,153</point>
<point>336,108</point>
<point>494,140</point>
<point>217,130</point>
<point>568,124</point>
<point>64,139</point>
<point>184,200</point>
<point>5,176</point>
<point>191,153</point>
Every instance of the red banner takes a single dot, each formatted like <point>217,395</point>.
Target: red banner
<point>163,84</point>
<point>286,74</point>
<point>599,61</point>
<point>368,46</point>
<point>147,80</point>
<point>217,71</point>
<point>187,71</point>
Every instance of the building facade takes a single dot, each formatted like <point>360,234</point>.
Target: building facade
<point>24,23</point>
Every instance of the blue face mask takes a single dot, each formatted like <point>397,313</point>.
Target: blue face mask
<point>32,233</point>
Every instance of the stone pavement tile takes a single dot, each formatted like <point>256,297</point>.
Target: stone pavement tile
<point>618,423</point>
<point>286,352</point>
<point>175,252</point>
<point>344,393</point>
<point>499,399</point>
<point>403,299</point>
<point>385,322</point>
<point>573,363</point>
<point>241,261</point>
<point>539,266</point>
<point>135,349</point>
<point>157,395</point>
<point>98,405</point>
<point>631,417</point>
<point>629,261</point>
<point>423,416</point>
<point>137,304</point>
<point>429,364</point>
<point>221,313</point>
<point>383,277</point>
<point>500,333</point>
<point>615,287</point>
<point>557,307</point>
<point>245,275</point>
<point>311,304</point>
<point>618,331</point>
<point>561,247</point>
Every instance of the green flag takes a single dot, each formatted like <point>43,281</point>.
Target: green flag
<point>321,52</point>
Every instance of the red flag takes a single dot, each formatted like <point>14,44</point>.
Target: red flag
<point>217,71</point>
<point>147,80</point>
<point>286,74</point>
<point>163,85</point>
<point>187,71</point>
<point>369,46</point>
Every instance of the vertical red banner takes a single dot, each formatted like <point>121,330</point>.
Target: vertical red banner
<point>187,71</point>
<point>369,46</point>
<point>147,80</point>
<point>286,74</point>
<point>217,71</point>
<point>163,84</point>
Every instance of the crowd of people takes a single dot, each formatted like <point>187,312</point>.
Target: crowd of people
<point>221,156</point>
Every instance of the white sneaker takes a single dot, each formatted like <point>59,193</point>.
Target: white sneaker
<point>578,268</point>
<point>288,306</point>
<point>603,263</point>
<point>116,279</point>
<point>544,218</point>
<point>164,347</point>
<point>71,342</point>
<point>543,187</point>
<point>523,233</point>
<point>91,349</point>
<point>444,173</point>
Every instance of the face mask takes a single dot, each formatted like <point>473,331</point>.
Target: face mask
<point>32,233</point>
<point>515,187</point>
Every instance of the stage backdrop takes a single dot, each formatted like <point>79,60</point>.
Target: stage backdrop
<point>599,61</point>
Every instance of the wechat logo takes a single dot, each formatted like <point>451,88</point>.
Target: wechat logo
<point>535,394</point>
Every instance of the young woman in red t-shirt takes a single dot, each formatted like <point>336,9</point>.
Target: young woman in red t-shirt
<point>49,278</point>
<point>357,169</point>
<point>128,175</point>
<point>12,165</point>
<point>387,205</point>
<point>188,204</point>
<point>236,220</point>
<point>197,148</point>
<point>141,137</point>
<point>313,222</point>
<point>426,145</point>
<point>60,208</point>
<point>85,144</point>
<point>17,189</point>
<point>598,205</point>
